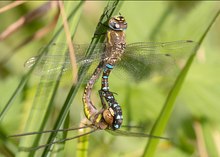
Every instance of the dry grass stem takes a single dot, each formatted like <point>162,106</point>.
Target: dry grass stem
<point>11,6</point>
<point>69,41</point>
<point>26,19</point>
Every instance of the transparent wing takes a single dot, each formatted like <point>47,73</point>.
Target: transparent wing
<point>52,62</point>
<point>133,134</point>
<point>143,59</point>
<point>84,133</point>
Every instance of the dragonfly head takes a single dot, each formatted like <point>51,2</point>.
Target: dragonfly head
<point>118,23</point>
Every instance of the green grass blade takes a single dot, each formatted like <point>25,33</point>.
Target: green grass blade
<point>83,143</point>
<point>159,24</point>
<point>45,94</point>
<point>109,10</point>
<point>167,109</point>
<point>17,91</point>
<point>26,77</point>
<point>208,138</point>
<point>9,147</point>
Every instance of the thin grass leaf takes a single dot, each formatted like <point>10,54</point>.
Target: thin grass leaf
<point>167,109</point>
<point>33,15</point>
<point>15,94</point>
<point>83,143</point>
<point>11,6</point>
<point>108,11</point>
<point>58,149</point>
<point>9,147</point>
<point>159,25</point>
<point>69,9</point>
<point>36,36</point>
<point>211,147</point>
<point>69,42</point>
<point>45,93</point>
<point>24,79</point>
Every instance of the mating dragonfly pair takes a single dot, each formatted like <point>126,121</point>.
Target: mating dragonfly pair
<point>141,59</point>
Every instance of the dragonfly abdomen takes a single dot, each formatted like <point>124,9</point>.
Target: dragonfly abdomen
<point>106,71</point>
<point>114,109</point>
<point>89,108</point>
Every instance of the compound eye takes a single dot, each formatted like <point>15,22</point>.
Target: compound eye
<point>117,25</point>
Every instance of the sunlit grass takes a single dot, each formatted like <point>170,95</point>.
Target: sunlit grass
<point>141,103</point>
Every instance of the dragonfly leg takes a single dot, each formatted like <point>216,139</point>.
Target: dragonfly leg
<point>102,96</point>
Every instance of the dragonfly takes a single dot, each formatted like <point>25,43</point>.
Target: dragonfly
<point>141,59</point>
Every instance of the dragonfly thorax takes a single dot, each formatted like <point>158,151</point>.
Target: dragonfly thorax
<point>114,47</point>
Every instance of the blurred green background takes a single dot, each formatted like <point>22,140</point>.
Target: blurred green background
<point>195,118</point>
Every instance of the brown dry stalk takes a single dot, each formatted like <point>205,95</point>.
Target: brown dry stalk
<point>11,6</point>
<point>37,35</point>
<point>200,140</point>
<point>27,18</point>
<point>69,41</point>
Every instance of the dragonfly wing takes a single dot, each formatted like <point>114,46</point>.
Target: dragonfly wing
<point>56,59</point>
<point>142,60</point>
<point>59,141</point>
<point>133,134</point>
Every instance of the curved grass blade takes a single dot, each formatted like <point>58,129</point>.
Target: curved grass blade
<point>167,109</point>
